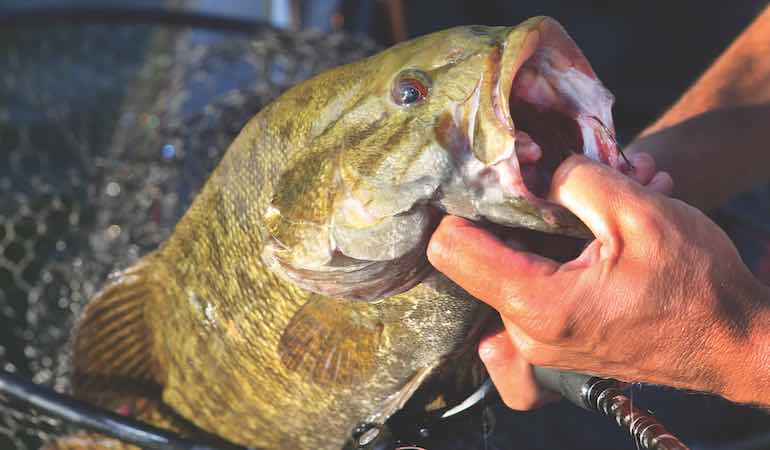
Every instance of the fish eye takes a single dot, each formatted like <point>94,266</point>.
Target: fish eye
<point>410,87</point>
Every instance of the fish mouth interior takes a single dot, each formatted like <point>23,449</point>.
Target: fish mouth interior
<point>557,109</point>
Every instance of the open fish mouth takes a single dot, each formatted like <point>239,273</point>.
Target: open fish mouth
<point>531,100</point>
<point>538,103</point>
<point>556,106</point>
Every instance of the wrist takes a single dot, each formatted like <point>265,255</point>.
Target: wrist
<point>748,365</point>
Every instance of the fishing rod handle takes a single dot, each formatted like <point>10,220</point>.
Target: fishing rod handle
<point>604,395</point>
<point>571,385</point>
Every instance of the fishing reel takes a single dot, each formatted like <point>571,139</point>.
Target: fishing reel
<point>412,430</point>
<point>596,394</point>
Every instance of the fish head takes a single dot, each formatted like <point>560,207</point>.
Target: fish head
<point>471,121</point>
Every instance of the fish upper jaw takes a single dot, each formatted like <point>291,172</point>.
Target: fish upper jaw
<point>537,102</point>
<point>553,103</point>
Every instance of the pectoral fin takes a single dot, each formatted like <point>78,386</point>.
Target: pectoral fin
<point>332,341</point>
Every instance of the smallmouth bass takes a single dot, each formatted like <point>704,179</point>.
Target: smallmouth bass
<point>294,299</point>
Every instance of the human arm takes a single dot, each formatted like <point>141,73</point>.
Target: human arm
<point>660,296</point>
<point>713,141</point>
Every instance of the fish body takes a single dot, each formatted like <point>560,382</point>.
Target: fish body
<point>293,300</point>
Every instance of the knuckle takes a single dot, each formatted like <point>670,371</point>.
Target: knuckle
<point>512,305</point>
<point>558,323</point>
<point>644,216</point>
<point>560,328</point>
<point>530,351</point>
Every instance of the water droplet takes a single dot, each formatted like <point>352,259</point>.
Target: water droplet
<point>47,277</point>
<point>168,151</point>
<point>113,189</point>
<point>33,296</point>
<point>113,231</point>
<point>42,376</point>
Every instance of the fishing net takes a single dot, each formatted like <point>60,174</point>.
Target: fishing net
<point>106,134</point>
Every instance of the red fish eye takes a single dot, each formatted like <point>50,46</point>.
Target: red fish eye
<point>409,91</point>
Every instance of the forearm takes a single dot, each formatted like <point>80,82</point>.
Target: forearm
<point>713,156</point>
<point>713,140</point>
<point>739,77</point>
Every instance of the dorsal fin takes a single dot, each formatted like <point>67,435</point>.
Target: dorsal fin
<point>112,349</point>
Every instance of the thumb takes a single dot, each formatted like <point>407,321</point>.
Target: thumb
<point>484,266</point>
<point>600,196</point>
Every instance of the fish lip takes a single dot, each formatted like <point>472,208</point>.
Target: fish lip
<point>541,33</point>
<point>547,51</point>
<point>490,164</point>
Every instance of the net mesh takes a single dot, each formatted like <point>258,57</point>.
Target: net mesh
<point>107,133</point>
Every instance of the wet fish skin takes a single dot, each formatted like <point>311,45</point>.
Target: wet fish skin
<point>294,299</point>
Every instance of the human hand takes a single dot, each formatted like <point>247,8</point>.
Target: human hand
<point>660,296</point>
<point>510,372</point>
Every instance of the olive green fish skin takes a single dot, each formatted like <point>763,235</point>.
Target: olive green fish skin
<point>223,313</point>
<point>216,330</point>
<point>240,349</point>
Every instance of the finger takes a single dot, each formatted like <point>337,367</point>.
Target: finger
<point>485,267</point>
<point>645,173</point>
<point>643,168</point>
<point>511,374</point>
<point>597,194</point>
<point>662,183</point>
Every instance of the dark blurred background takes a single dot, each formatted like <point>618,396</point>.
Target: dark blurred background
<point>646,52</point>
<point>113,112</point>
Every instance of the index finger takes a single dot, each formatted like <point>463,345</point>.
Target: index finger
<point>484,266</point>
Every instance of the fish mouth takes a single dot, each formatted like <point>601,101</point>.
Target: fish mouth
<point>553,105</point>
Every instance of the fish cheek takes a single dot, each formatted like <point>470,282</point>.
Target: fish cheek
<point>389,238</point>
<point>332,341</point>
